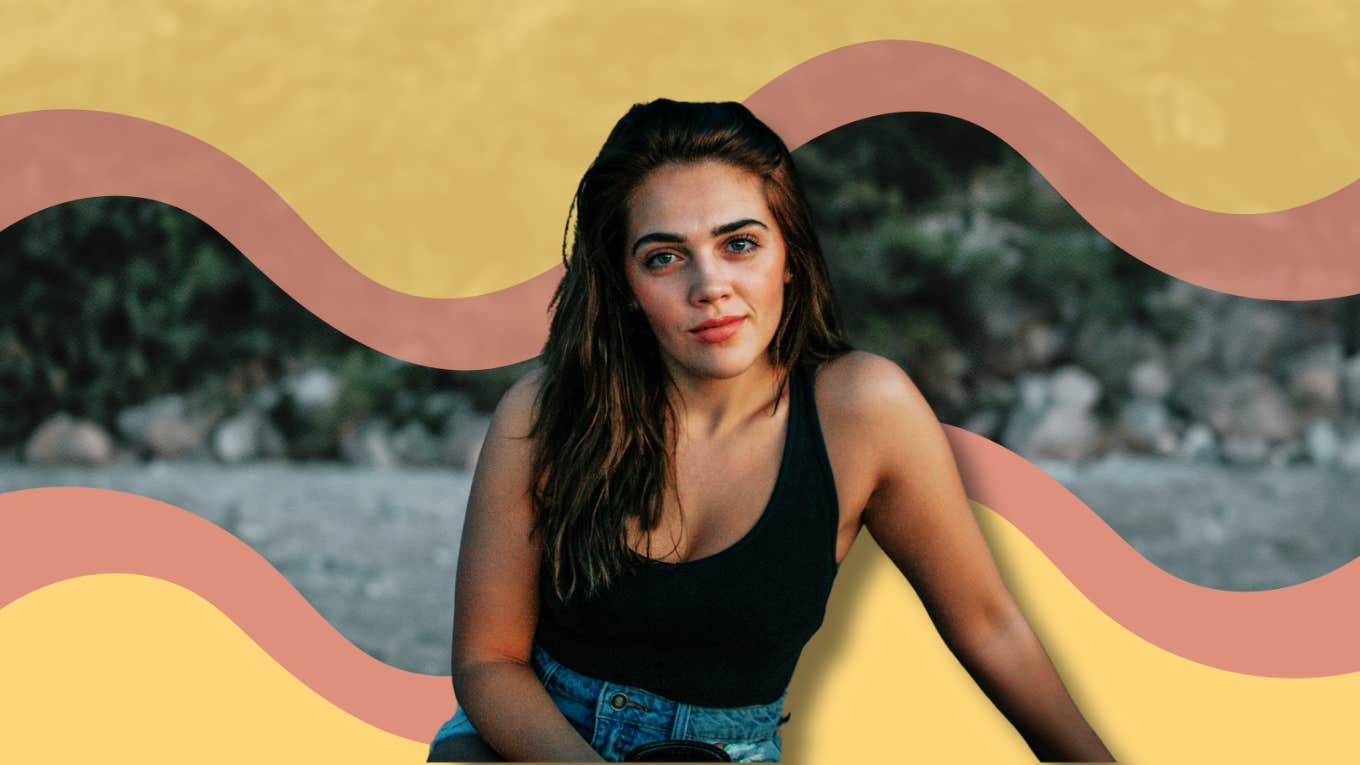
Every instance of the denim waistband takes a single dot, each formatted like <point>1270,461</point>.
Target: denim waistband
<point>627,704</point>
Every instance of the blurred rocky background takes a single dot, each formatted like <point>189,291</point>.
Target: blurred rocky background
<point>1022,323</point>
<point>1219,435</point>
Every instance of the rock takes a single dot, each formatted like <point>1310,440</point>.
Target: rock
<point>1196,393</point>
<point>1150,379</point>
<point>1107,352</point>
<point>1252,408</point>
<point>247,436</point>
<point>1031,402</point>
<point>1145,426</point>
<point>1315,381</point>
<point>1198,444</point>
<point>1064,434</point>
<point>1322,442</point>
<point>1072,387</point>
<point>1052,418</point>
<point>413,444</point>
<point>313,389</point>
<point>63,440</point>
<point>369,445</point>
<point>169,438</point>
<point>1033,392</point>
<point>164,427</point>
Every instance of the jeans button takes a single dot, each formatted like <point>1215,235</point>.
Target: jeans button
<point>618,701</point>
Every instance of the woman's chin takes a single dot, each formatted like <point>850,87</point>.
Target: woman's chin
<point>717,363</point>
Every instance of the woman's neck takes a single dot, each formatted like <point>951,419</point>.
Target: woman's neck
<point>708,407</point>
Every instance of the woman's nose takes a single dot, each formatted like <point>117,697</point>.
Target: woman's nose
<point>711,281</point>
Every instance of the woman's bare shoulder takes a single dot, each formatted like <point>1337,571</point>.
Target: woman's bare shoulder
<point>866,387</point>
<point>870,414</point>
<point>514,415</point>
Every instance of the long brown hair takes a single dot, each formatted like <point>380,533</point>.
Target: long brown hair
<point>603,426</point>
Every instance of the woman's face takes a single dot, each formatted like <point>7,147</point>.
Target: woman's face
<point>706,263</point>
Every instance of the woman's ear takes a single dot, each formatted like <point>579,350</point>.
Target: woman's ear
<point>788,276</point>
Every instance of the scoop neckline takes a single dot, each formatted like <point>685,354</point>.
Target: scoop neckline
<point>781,477</point>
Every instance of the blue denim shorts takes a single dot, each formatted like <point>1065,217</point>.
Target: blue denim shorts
<point>615,718</point>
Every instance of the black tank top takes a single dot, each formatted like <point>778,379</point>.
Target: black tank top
<point>725,630</point>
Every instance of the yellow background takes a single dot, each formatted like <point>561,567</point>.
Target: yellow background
<point>434,146</point>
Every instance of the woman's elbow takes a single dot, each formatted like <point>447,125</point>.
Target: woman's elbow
<point>996,630</point>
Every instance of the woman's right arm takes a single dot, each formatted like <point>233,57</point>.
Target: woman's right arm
<point>496,599</point>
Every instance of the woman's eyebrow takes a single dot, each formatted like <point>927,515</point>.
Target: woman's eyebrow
<point>728,228</point>
<point>669,238</point>
<point>657,236</point>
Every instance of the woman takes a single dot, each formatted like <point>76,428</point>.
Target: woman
<point>658,514</point>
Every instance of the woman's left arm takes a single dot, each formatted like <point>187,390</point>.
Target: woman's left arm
<point>919,514</point>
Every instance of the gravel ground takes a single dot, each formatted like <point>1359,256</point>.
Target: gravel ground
<point>375,550</point>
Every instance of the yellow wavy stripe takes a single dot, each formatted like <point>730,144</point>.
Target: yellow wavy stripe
<point>434,144</point>
<point>878,683</point>
<point>119,668</point>
<point>135,669</point>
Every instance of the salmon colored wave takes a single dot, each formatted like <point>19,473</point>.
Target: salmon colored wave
<point>1305,253</point>
<point>56,156</point>
<point>51,534</point>
<point>1304,630</point>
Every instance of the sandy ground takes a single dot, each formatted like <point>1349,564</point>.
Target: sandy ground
<point>375,551</point>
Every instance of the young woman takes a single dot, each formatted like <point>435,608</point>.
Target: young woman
<point>659,512</point>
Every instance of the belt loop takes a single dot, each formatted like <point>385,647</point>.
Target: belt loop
<point>680,728</point>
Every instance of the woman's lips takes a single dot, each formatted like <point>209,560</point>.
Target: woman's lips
<point>716,333</point>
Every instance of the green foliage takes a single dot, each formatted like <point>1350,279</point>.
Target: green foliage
<point>110,301</point>
<point>933,229</point>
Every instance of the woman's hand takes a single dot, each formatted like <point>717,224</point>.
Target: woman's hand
<point>496,599</point>
<point>919,515</point>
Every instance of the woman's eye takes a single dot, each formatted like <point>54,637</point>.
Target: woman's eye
<point>659,259</point>
<point>741,244</point>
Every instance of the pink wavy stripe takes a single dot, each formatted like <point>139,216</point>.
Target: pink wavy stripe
<point>1306,253</point>
<point>56,156</point>
<point>51,534</point>
<point>1304,630</point>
